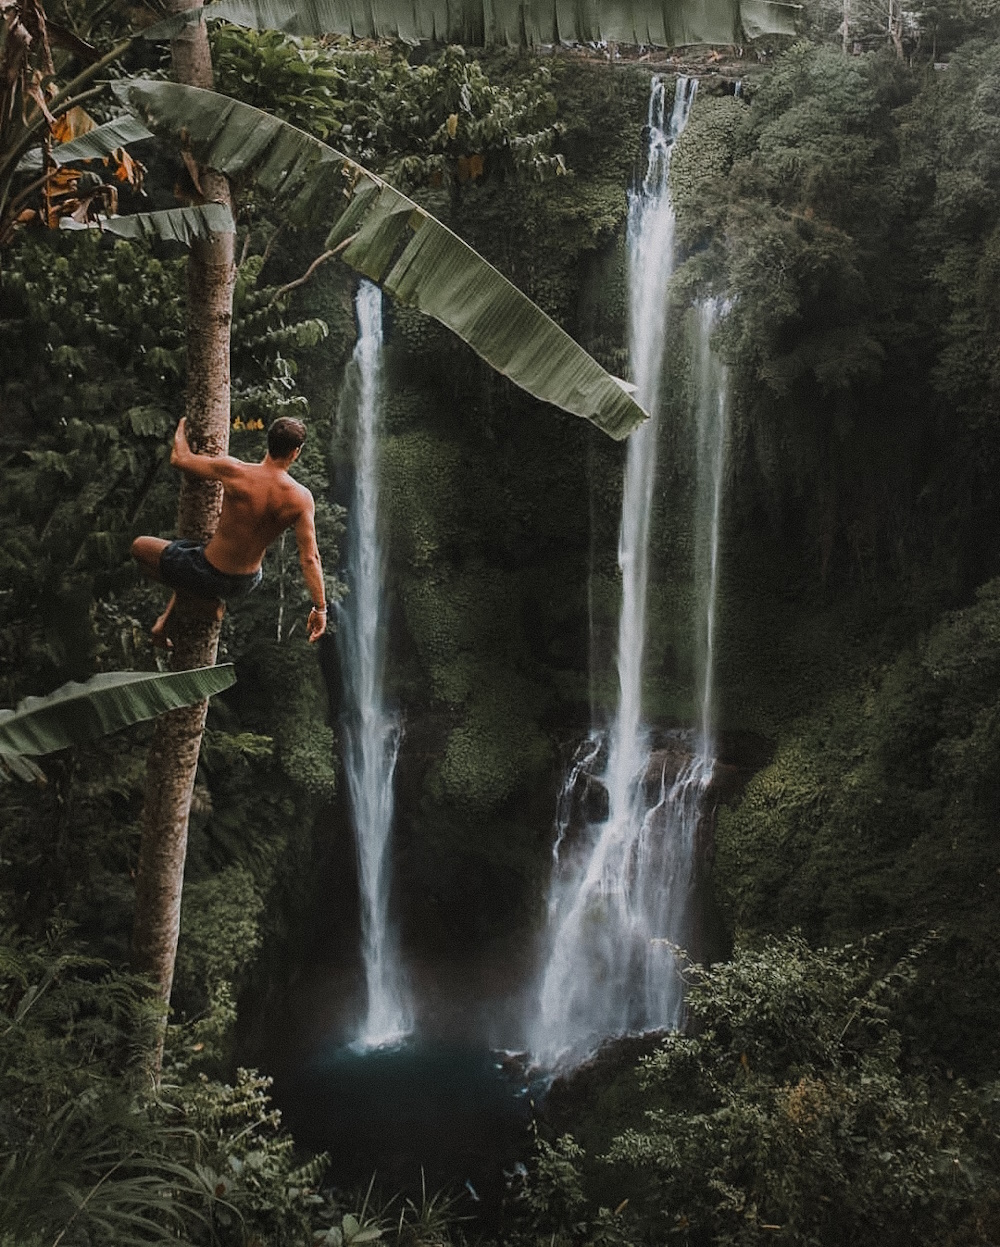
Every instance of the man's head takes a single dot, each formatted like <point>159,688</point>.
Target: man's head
<point>285,438</point>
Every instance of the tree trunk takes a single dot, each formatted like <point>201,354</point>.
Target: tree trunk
<point>173,754</point>
<point>896,26</point>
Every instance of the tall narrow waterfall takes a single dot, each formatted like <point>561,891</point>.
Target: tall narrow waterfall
<point>712,408</point>
<point>371,732</point>
<point>616,903</point>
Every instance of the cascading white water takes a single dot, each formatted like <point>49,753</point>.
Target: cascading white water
<point>616,900</point>
<point>371,732</point>
<point>712,410</point>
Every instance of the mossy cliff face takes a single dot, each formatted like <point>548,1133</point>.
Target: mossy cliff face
<point>839,519</point>
<point>488,502</point>
<point>502,529</point>
<point>879,812</point>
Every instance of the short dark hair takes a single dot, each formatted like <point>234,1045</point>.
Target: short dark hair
<point>285,435</point>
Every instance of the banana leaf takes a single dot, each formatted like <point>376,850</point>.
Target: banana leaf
<point>181,225</point>
<point>392,241</point>
<point>101,141</point>
<point>479,23</point>
<point>77,713</point>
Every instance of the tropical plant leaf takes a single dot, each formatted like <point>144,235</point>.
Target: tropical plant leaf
<point>76,713</point>
<point>392,241</point>
<point>181,225</point>
<point>22,768</point>
<point>101,141</point>
<point>479,23</point>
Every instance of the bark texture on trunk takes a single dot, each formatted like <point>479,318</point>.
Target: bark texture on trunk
<point>173,754</point>
<point>896,26</point>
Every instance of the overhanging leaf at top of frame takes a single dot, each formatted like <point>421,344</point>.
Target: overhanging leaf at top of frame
<point>478,23</point>
<point>392,241</point>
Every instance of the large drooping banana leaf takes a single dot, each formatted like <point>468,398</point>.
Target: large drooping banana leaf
<point>392,241</point>
<point>181,225</point>
<point>77,713</point>
<point>478,23</point>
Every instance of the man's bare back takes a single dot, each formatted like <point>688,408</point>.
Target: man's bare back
<point>259,502</point>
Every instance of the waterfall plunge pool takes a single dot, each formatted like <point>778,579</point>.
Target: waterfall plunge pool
<point>456,1115</point>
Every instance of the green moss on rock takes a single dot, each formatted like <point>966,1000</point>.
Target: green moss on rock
<point>880,812</point>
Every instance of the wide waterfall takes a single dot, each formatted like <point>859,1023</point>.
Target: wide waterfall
<point>371,731</point>
<point>616,909</point>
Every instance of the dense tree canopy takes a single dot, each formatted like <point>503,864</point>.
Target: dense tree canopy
<point>836,1086</point>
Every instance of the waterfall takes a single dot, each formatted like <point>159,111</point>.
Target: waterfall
<point>616,906</point>
<point>371,731</point>
<point>712,410</point>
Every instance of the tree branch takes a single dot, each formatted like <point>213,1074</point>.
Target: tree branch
<point>320,259</point>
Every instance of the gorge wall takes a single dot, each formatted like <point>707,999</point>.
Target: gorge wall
<point>501,527</point>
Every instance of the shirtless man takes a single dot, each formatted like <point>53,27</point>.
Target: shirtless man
<point>259,501</point>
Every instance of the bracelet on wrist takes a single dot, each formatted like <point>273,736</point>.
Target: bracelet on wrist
<point>320,609</point>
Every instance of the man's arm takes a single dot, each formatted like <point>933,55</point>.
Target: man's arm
<point>205,467</point>
<point>312,568</point>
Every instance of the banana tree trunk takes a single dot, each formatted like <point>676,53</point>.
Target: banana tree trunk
<point>173,754</point>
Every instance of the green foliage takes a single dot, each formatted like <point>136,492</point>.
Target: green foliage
<point>951,137</point>
<point>88,1154</point>
<point>220,919</point>
<point>392,241</point>
<point>553,1192</point>
<point>846,213</point>
<point>808,210</point>
<point>879,811</point>
<point>928,34</point>
<point>432,1222</point>
<point>90,388</point>
<point>75,1156</point>
<point>792,1117</point>
<point>849,208</point>
<point>461,630</point>
<point>547,236</point>
<point>263,1192</point>
<point>418,125</point>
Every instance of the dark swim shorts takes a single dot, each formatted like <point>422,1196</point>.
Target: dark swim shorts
<point>183,566</point>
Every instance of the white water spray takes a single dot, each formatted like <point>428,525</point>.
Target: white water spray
<point>617,900</point>
<point>712,408</point>
<point>371,732</point>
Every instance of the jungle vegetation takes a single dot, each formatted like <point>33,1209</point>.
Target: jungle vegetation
<point>840,1084</point>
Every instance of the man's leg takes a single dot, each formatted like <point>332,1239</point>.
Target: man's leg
<point>189,605</point>
<point>158,632</point>
<point>146,551</point>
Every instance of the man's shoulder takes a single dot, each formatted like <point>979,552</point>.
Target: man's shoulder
<point>236,468</point>
<point>302,494</point>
